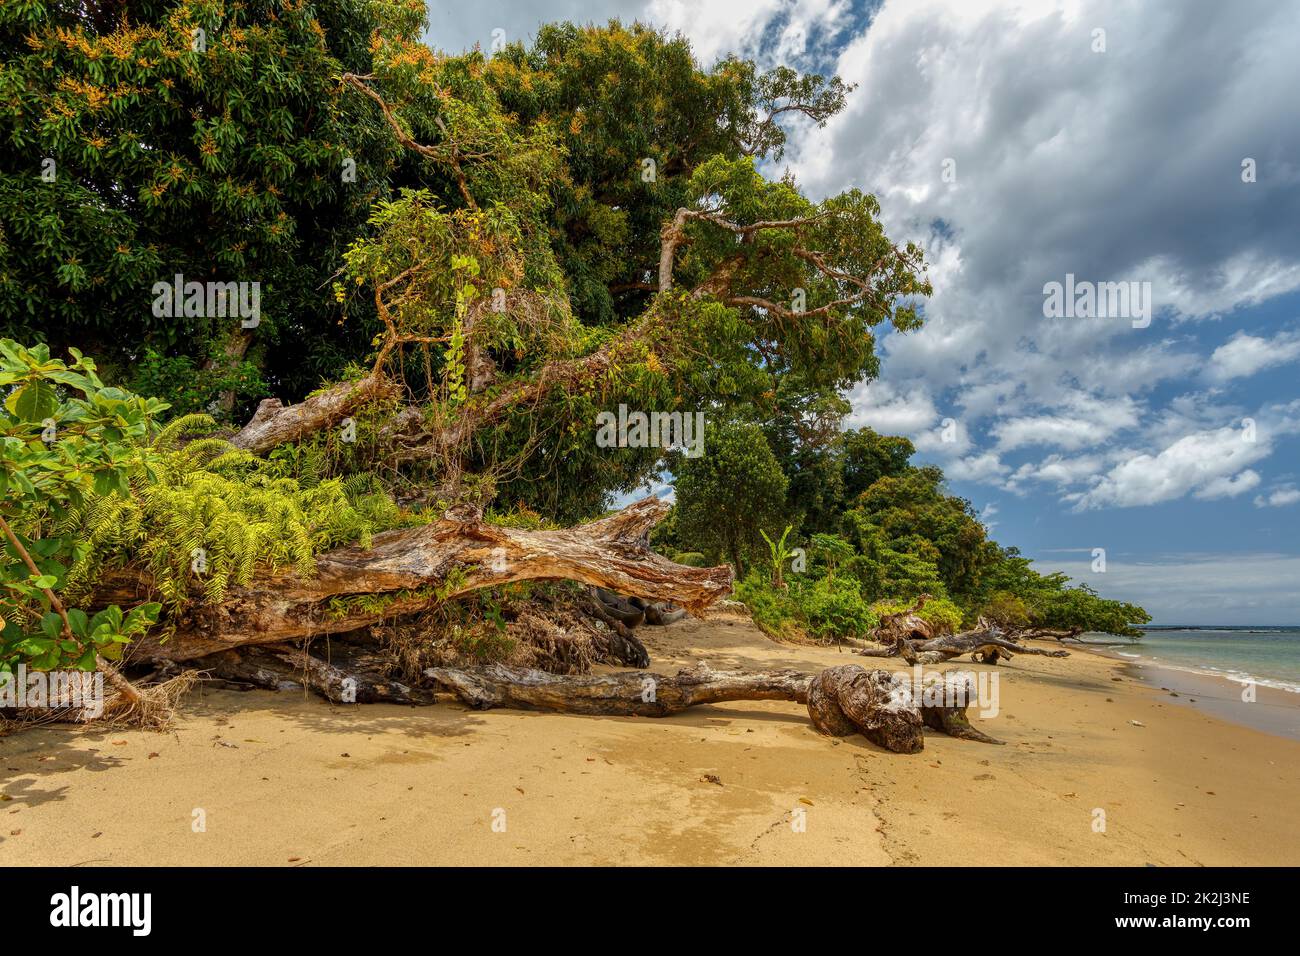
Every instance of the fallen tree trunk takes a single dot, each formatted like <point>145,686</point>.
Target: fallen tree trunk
<point>1046,633</point>
<point>627,694</point>
<point>876,650</point>
<point>413,569</point>
<point>983,642</point>
<point>986,645</point>
<point>848,699</point>
<point>880,705</point>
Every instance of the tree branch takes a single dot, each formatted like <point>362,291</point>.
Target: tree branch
<point>414,569</point>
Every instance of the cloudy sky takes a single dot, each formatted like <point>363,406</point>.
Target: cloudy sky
<point>1021,142</point>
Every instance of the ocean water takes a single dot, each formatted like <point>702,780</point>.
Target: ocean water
<point>1268,655</point>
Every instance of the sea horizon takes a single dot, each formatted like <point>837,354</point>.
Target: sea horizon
<point>1268,655</point>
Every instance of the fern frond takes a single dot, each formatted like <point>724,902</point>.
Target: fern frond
<point>180,427</point>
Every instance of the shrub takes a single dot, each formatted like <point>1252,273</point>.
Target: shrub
<point>833,608</point>
<point>824,608</point>
<point>65,439</point>
<point>772,609</point>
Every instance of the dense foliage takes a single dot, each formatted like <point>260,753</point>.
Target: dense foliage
<point>489,253</point>
<point>195,137</point>
<point>876,533</point>
<point>65,440</point>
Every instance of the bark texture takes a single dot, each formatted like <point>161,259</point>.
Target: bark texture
<point>985,645</point>
<point>289,668</point>
<point>877,704</point>
<point>880,705</point>
<point>628,694</point>
<point>904,625</point>
<point>275,423</point>
<point>413,569</point>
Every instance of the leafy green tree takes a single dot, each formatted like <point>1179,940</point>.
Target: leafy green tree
<point>1014,595</point>
<point>637,116</point>
<point>727,496</point>
<point>1080,608</point>
<point>802,426</point>
<point>912,509</point>
<point>830,551</point>
<point>887,571</point>
<point>867,457</point>
<point>718,317</point>
<point>204,138</point>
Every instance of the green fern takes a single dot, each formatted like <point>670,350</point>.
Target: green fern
<point>178,428</point>
<point>207,529</point>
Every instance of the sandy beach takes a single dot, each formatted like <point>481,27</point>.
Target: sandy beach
<point>283,780</point>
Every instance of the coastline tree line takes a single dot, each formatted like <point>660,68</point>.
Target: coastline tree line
<point>462,261</point>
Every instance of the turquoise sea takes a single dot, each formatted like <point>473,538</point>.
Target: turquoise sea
<point>1269,655</point>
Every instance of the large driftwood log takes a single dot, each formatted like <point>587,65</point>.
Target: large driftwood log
<point>944,702</point>
<point>983,644</point>
<point>877,704</point>
<point>413,569</point>
<point>988,644</point>
<point>882,706</point>
<point>626,694</point>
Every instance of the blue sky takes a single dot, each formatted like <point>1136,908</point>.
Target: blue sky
<point>1112,156</point>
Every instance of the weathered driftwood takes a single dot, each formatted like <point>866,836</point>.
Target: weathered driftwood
<point>889,708</point>
<point>278,667</point>
<point>985,645</point>
<point>943,707</point>
<point>1045,633</point>
<point>885,707</point>
<point>611,605</point>
<point>904,625</point>
<point>880,705</point>
<point>275,423</point>
<point>626,694</point>
<point>662,613</point>
<point>413,569</point>
<point>876,650</point>
<point>624,646</point>
<point>988,644</point>
<point>635,611</point>
<point>877,704</point>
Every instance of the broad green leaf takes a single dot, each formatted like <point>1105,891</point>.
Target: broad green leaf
<point>34,402</point>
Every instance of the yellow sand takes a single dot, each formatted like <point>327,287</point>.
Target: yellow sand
<point>284,780</point>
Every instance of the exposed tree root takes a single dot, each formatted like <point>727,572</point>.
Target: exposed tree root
<point>152,707</point>
<point>848,699</point>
